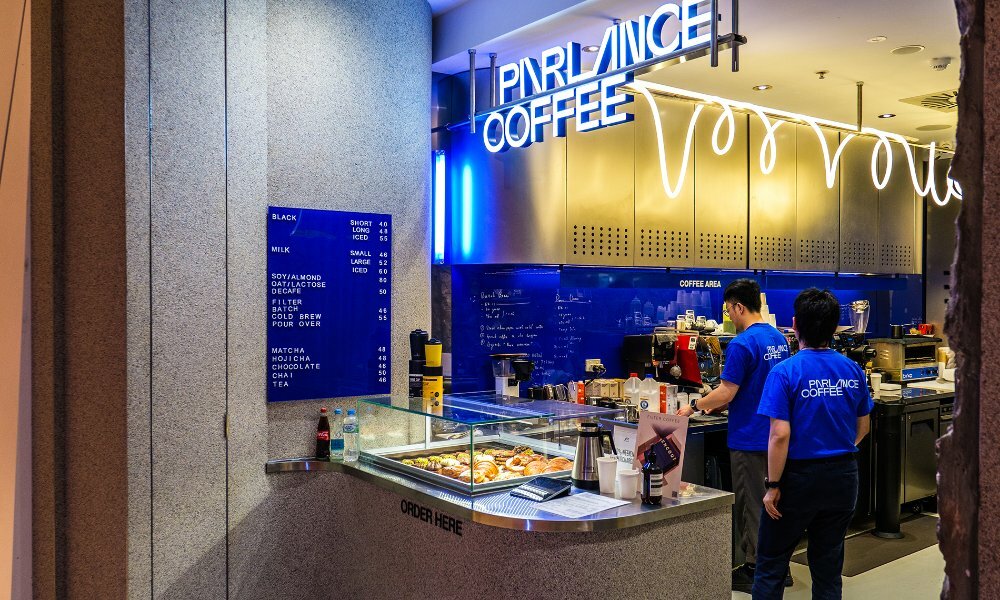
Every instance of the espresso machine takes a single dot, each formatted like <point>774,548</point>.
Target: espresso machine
<point>509,370</point>
<point>851,342</point>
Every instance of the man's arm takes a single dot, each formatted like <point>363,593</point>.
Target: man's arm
<point>777,448</point>
<point>864,426</point>
<point>717,398</point>
<point>777,454</point>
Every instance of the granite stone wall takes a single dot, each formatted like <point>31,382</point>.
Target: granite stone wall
<point>314,104</point>
<point>968,498</point>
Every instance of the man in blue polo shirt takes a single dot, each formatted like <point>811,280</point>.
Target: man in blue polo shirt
<point>749,359</point>
<point>818,404</point>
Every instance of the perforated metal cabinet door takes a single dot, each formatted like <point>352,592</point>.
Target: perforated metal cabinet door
<point>516,203</point>
<point>772,198</point>
<point>720,195</point>
<point>897,220</point>
<point>664,225</point>
<point>600,196</point>
<point>817,214</point>
<point>858,209</point>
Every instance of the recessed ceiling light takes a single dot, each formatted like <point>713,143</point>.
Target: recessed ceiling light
<point>877,39</point>
<point>909,49</point>
<point>886,115</point>
<point>762,87</point>
<point>591,48</point>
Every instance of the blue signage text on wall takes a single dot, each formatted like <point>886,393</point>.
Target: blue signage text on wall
<point>555,88</point>
<point>328,303</point>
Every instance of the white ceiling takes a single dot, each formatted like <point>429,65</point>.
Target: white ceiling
<point>788,41</point>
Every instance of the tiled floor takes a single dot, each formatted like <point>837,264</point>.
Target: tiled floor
<point>915,577</point>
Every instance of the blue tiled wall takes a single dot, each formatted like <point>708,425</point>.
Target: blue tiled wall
<point>560,316</point>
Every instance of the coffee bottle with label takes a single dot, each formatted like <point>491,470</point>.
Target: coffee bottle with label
<point>323,436</point>
<point>652,480</point>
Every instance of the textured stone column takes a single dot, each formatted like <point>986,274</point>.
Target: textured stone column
<point>967,503</point>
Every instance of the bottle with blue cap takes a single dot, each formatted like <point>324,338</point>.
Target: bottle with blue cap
<point>351,437</point>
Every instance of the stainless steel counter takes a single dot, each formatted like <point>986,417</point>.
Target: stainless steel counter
<point>500,509</point>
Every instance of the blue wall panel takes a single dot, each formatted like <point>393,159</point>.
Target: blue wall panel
<point>561,316</point>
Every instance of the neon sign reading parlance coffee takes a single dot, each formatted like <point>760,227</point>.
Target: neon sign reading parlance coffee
<point>593,100</point>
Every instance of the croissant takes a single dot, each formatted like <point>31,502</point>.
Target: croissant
<point>561,462</point>
<point>536,467</point>
<point>487,468</point>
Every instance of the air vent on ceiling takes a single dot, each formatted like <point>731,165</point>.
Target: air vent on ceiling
<point>946,101</point>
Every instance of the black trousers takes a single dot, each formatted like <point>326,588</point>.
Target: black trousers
<point>818,498</point>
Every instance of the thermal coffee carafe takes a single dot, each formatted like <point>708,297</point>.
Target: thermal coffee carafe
<point>418,339</point>
<point>433,379</point>
<point>588,450</point>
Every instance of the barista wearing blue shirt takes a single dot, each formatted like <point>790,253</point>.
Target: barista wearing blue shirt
<point>749,359</point>
<point>818,404</point>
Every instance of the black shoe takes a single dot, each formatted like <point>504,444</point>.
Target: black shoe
<point>743,578</point>
<point>788,578</point>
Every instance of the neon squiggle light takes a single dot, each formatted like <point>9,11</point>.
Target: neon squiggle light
<point>770,144</point>
<point>769,149</point>
<point>829,165</point>
<point>671,191</point>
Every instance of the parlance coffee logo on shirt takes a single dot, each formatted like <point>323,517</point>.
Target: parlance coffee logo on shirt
<point>774,352</point>
<point>829,387</point>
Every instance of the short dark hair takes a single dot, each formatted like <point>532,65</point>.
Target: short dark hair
<point>817,314</point>
<point>746,292</point>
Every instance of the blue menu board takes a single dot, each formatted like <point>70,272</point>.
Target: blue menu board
<point>328,303</point>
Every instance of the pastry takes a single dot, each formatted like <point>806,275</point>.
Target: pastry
<point>449,462</point>
<point>488,468</point>
<point>552,469</point>
<point>483,457</point>
<point>421,463</point>
<point>454,471</point>
<point>513,465</point>
<point>536,467</point>
<point>408,462</point>
<point>562,463</point>
<point>462,457</point>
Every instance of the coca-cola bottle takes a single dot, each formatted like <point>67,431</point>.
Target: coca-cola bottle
<point>323,436</point>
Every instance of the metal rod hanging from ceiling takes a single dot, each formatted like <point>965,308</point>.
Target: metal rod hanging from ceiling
<point>472,90</point>
<point>861,94</point>
<point>493,79</point>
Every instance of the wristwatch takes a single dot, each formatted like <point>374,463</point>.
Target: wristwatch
<point>694,405</point>
<point>771,485</point>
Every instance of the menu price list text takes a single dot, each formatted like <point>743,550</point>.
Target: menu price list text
<point>329,307</point>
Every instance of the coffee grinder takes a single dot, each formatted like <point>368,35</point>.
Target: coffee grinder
<point>852,343</point>
<point>509,370</point>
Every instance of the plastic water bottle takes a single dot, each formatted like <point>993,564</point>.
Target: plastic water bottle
<point>350,436</point>
<point>337,434</point>
<point>631,389</point>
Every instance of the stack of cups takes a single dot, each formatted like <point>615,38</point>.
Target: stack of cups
<point>628,483</point>
<point>876,385</point>
<point>607,470</point>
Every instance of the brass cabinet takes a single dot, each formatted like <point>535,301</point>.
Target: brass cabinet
<point>772,197</point>
<point>600,196</point>
<point>720,189</point>
<point>896,215</point>
<point>664,225</point>
<point>859,211</point>
<point>817,214</point>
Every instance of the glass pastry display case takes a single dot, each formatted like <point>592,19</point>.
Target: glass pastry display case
<point>473,442</point>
